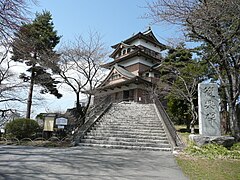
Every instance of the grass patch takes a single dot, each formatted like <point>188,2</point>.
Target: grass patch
<point>213,169</point>
<point>236,147</point>
<point>182,131</point>
<point>210,162</point>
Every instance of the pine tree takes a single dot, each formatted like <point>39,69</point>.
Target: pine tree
<point>181,74</point>
<point>34,45</point>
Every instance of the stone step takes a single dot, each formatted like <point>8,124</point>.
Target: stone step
<point>131,103</point>
<point>127,128</point>
<point>126,116</point>
<point>121,133</point>
<point>126,124</point>
<point>125,143</point>
<point>135,107</point>
<point>133,112</point>
<point>130,121</point>
<point>129,139</point>
<point>124,135</point>
<point>125,108</point>
<point>117,130</point>
<point>127,147</point>
<point>129,117</point>
<point>129,108</point>
<point>150,125</point>
<point>135,121</point>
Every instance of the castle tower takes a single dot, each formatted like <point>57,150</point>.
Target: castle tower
<point>133,70</point>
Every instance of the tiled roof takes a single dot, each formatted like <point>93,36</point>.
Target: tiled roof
<point>123,71</point>
<point>136,80</point>
<point>147,35</point>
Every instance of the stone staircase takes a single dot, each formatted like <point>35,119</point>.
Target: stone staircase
<point>128,126</point>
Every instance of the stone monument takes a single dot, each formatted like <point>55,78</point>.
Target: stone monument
<point>209,117</point>
<point>208,110</point>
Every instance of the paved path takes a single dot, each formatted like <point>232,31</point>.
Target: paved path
<point>25,163</point>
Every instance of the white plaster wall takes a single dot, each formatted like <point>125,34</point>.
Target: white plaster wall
<point>147,45</point>
<point>151,74</point>
<point>135,60</point>
<point>135,73</point>
<point>116,81</point>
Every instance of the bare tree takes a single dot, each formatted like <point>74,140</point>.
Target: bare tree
<point>10,87</point>
<point>216,24</point>
<point>80,67</point>
<point>12,14</point>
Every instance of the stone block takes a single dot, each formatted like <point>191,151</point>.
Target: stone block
<point>199,140</point>
<point>208,110</point>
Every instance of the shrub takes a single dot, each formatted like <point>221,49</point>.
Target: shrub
<point>22,128</point>
<point>236,147</point>
<point>212,151</point>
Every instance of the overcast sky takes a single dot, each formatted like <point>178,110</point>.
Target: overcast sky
<point>115,20</point>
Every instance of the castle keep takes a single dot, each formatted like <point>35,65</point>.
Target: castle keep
<point>133,70</point>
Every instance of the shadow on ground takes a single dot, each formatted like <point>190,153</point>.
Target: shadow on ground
<point>18,162</point>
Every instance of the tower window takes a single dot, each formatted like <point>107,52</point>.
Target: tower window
<point>128,50</point>
<point>147,74</point>
<point>156,75</point>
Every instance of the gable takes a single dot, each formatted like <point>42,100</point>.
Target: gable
<point>121,49</point>
<point>117,75</point>
<point>147,35</point>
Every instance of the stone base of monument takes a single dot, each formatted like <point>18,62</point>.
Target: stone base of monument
<point>199,140</point>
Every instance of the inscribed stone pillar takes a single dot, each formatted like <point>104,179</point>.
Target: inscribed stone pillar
<point>208,110</point>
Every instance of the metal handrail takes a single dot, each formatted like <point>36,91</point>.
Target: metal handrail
<point>93,116</point>
<point>91,113</point>
<point>168,123</point>
<point>97,108</point>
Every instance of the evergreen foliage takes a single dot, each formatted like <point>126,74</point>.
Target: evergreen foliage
<point>22,128</point>
<point>34,45</point>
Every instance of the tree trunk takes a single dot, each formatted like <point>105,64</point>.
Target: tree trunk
<point>194,117</point>
<point>78,106</point>
<point>30,94</point>
<point>234,123</point>
<point>192,123</point>
<point>234,127</point>
<point>88,104</point>
<point>224,117</point>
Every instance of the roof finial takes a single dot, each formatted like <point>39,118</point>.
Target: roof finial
<point>148,30</point>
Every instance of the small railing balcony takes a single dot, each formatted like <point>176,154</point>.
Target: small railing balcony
<point>150,52</point>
